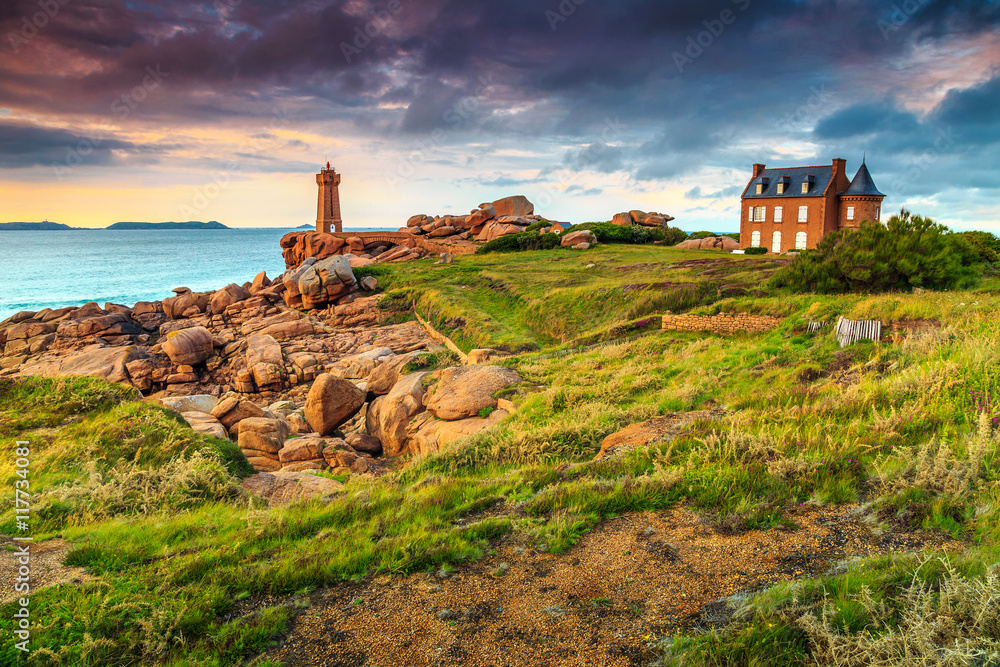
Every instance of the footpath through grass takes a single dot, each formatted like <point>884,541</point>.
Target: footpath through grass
<point>189,571</point>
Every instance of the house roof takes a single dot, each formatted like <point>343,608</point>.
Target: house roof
<point>862,184</point>
<point>796,176</point>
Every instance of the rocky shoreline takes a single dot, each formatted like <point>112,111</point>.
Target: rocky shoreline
<point>327,389</point>
<point>300,371</point>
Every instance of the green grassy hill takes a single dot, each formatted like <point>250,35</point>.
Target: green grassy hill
<point>907,428</point>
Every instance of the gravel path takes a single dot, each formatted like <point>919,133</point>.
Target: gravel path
<point>46,565</point>
<point>633,578</point>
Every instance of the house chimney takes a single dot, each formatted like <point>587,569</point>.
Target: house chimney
<point>757,168</point>
<point>839,166</point>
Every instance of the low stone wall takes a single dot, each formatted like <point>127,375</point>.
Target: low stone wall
<point>721,324</point>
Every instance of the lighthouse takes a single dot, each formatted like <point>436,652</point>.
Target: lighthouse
<point>328,211</point>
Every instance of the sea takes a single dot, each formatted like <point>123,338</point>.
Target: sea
<point>53,269</point>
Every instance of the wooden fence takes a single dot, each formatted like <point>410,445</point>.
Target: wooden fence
<point>849,332</point>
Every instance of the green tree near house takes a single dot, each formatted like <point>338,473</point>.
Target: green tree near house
<point>909,251</point>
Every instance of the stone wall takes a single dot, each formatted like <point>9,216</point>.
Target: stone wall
<point>721,324</point>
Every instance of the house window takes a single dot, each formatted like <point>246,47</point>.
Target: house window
<point>760,188</point>
<point>755,240</point>
<point>781,188</point>
<point>757,213</point>
<point>803,214</point>
<point>776,243</point>
<point>805,187</point>
<point>800,241</point>
<point>850,213</point>
<point>779,213</point>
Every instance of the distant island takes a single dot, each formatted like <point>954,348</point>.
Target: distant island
<point>34,226</point>
<point>131,226</point>
<point>309,227</point>
<point>47,226</point>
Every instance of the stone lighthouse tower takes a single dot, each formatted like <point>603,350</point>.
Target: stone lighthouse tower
<point>328,211</point>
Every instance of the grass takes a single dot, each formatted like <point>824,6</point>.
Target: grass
<point>155,513</point>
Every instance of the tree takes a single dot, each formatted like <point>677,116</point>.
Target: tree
<point>907,252</point>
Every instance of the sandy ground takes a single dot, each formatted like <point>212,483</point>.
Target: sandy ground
<point>633,578</point>
<point>46,565</point>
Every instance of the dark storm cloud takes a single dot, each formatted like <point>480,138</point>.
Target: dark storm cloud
<point>688,83</point>
<point>23,146</point>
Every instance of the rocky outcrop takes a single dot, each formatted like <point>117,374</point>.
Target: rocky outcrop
<point>280,488</point>
<point>316,284</point>
<point>725,243</point>
<point>428,434</point>
<point>186,304</point>
<point>265,360</point>
<point>386,374</point>
<point>331,402</point>
<point>389,415</point>
<point>232,410</point>
<point>95,360</point>
<point>195,403</point>
<point>227,296</point>
<point>578,239</point>
<point>517,205</point>
<point>260,440</point>
<point>464,392</point>
<point>205,423</point>
<point>188,346</point>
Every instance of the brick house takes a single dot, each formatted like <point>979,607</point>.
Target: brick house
<point>794,208</point>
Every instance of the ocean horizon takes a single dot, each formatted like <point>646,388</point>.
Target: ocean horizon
<point>52,269</point>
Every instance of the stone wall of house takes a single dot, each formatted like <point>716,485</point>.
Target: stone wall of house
<point>721,324</point>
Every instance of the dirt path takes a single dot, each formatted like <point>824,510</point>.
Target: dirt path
<point>633,577</point>
<point>46,563</point>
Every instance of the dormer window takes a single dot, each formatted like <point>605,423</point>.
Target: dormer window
<point>807,183</point>
<point>762,185</point>
<point>782,184</point>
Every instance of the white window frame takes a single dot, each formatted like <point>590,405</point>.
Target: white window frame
<point>805,187</point>
<point>776,243</point>
<point>803,214</point>
<point>755,239</point>
<point>801,241</point>
<point>850,213</point>
<point>779,214</point>
<point>781,188</point>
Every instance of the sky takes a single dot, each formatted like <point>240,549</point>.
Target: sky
<point>226,109</point>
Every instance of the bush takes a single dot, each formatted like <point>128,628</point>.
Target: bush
<point>755,251</point>
<point>607,232</point>
<point>986,245</point>
<point>907,252</point>
<point>520,243</point>
<point>667,235</point>
<point>701,235</point>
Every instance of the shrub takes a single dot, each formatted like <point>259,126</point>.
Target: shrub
<point>755,251</point>
<point>909,251</point>
<point>607,232</point>
<point>667,235</point>
<point>538,226</point>
<point>986,245</point>
<point>520,242</point>
<point>701,235</point>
